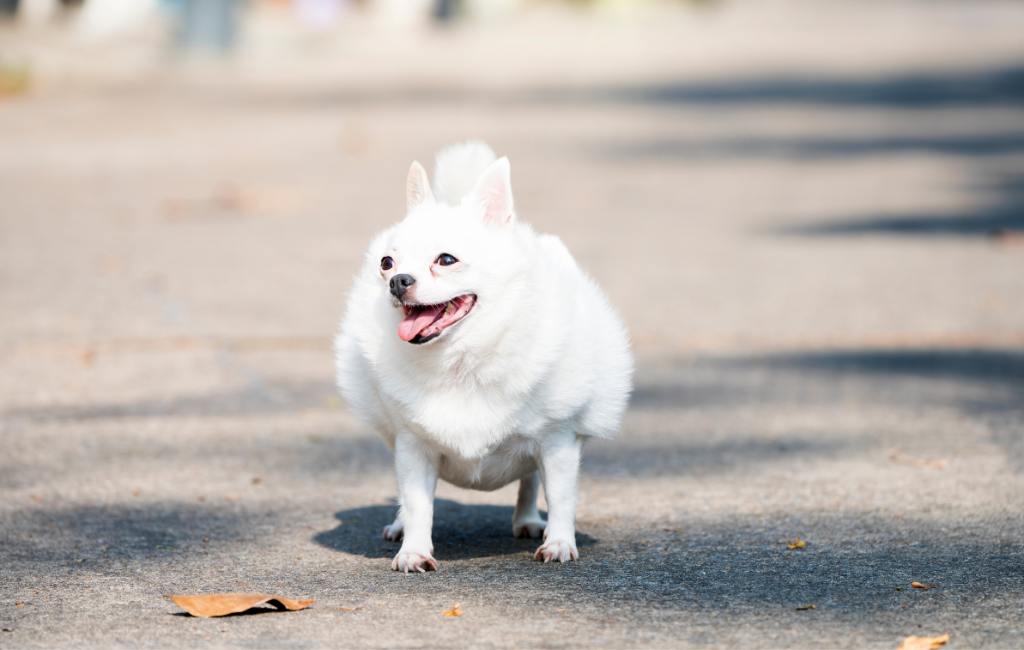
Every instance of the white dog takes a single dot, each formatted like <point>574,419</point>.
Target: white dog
<point>481,353</point>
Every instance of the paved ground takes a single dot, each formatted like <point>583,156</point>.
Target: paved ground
<point>793,206</point>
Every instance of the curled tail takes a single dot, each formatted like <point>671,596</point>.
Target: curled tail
<point>457,169</point>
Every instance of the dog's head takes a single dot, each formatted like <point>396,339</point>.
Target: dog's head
<point>443,262</point>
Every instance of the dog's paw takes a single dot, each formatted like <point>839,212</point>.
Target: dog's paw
<point>414,562</point>
<point>529,528</point>
<point>557,550</point>
<point>394,532</point>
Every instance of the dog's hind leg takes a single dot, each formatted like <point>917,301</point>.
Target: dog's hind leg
<point>395,531</point>
<point>527,522</point>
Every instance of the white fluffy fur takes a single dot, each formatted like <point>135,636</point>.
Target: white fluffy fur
<point>508,393</point>
<point>457,168</point>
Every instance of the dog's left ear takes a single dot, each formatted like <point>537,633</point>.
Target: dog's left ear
<point>417,187</point>
<point>493,193</point>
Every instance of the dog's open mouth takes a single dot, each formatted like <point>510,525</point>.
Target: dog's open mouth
<point>426,322</point>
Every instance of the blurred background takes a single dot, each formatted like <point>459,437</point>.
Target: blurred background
<point>202,176</point>
<point>809,212</point>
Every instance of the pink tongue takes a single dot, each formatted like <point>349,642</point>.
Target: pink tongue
<point>417,320</point>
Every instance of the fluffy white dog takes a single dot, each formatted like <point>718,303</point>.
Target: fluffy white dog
<point>481,353</point>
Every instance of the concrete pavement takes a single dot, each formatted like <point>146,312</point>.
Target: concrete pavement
<point>800,228</point>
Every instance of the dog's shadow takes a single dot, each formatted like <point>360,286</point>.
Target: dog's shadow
<point>461,532</point>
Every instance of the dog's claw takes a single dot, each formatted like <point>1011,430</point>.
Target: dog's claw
<point>415,562</point>
<point>560,551</point>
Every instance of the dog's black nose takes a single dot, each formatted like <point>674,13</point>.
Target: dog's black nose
<point>401,283</point>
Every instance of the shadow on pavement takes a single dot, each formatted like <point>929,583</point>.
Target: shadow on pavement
<point>985,385</point>
<point>460,532</point>
<point>973,378</point>
<point>260,397</point>
<point>985,144</point>
<point>92,538</point>
<point>852,565</point>
<point>1001,86</point>
<point>993,87</point>
<point>1003,211</point>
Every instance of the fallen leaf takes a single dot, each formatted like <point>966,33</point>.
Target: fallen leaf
<point>799,543</point>
<point>916,462</point>
<point>87,357</point>
<point>19,604</point>
<point>207,605</point>
<point>923,642</point>
<point>258,200</point>
<point>350,609</point>
<point>918,585</point>
<point>805,607</point>
<point>561,610</point>
<point>454,611</point>
<point>14,81</point>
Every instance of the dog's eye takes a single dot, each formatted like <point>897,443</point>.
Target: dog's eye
<point>444,259</point>
<point>386,264</point>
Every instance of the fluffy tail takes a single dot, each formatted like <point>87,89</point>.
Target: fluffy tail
<point>457,169</point>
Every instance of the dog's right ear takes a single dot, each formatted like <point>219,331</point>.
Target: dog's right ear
<point>417,187</point>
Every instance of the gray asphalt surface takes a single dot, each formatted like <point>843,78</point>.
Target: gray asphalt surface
<point>804,249</point>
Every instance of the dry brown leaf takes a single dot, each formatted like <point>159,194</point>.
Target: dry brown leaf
<point>923,642</point>
<point>454,611</point>
<point>257,200</point>
<point>14,81</point>
<point>207,605</point>
<point>799,543</point>
<point>350,609</point>
<point>917,462</point>
<point>806,607</point>
<point>918,585</point>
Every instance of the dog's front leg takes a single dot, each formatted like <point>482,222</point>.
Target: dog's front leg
<point>559,469</point>
<point>416,466</point>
